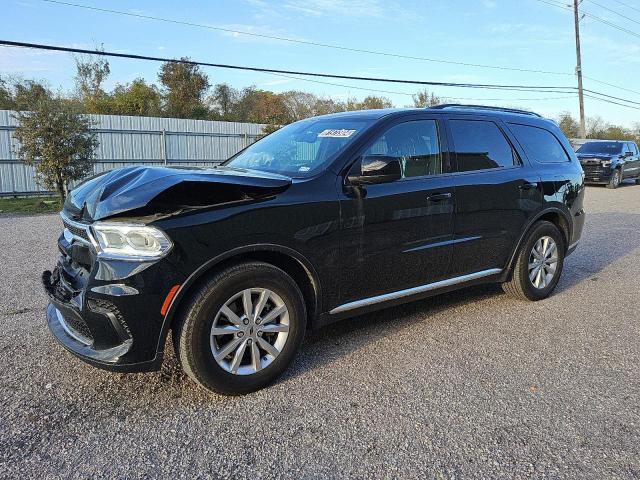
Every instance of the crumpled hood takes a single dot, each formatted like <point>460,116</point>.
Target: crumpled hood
<point>155,190</point>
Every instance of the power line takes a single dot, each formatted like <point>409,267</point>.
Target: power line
<point>611,84</point>
<point>300,41</point>
<point>524,88</point>
<point>411,94</point>
<point>627,5</point>
<point>613,11</point>
<point>319,44</point>
<point>594,17</point>
<point>610,101</point>
<point>611,96</point>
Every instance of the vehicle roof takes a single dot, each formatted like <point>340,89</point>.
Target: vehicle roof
<point>506,115</point>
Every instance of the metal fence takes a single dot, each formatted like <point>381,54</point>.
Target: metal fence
<point>125,141</point>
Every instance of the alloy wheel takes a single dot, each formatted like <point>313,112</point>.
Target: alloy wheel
<point>249,331</point>
<point>543,262</point>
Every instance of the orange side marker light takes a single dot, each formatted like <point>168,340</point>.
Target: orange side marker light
<point>168,298</point>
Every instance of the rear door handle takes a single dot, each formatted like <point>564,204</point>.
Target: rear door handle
<point>438,197</point>
<point>528,186</point>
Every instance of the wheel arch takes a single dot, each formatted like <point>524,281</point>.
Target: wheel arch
<point>554,215</point>
<point>287,259</point>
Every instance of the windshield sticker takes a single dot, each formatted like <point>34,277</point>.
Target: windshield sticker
<point>340,133</point>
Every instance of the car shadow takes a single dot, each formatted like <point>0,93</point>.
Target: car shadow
<point>597,250</point>
<point>606,238</point>
<point>341,338</point>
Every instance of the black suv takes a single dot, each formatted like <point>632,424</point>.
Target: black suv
<point>609,162</point>
<point>329,217</point>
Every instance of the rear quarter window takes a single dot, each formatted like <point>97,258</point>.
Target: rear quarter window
<point>540,145</point>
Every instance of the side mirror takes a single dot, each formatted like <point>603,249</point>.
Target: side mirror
<point>375,169</point>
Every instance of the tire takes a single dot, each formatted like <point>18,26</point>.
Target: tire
<point>615,180</point>
<point>521,285</point>
<point>195,342</point>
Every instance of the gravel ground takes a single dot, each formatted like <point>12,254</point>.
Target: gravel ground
<point>467,385</point>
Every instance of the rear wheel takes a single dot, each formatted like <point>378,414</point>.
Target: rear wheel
<point>615,180</point>
<point>241,329</point>
<point>539,263</point>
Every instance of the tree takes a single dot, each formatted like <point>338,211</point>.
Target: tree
<point>91,74</point>
<point>326,105</point>
<point>261,106</point>
<point>424,99</point>
<point>299,105</point>
<point>223,102</point>
<point>136,98</point>
<point>596,127</point>
<point>56,141</point>
<point>369,103</point>
<point>28,93</point>
<point>6,96</point>
<point>184,89</point>
<point>569,125</point>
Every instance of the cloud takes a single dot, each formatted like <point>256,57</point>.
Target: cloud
<point>322,8</point>
<point>255,33</point>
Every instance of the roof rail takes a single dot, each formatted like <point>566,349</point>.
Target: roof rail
<point>484,107</point>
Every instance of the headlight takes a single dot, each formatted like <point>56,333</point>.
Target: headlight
<point>130,242</point>
<point>606,163</point>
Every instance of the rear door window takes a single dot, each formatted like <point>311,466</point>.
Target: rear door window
<point>540,145</point>
<point>481,145</point>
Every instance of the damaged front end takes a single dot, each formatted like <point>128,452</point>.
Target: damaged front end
<point>101,307</point>
<point>116,269</point>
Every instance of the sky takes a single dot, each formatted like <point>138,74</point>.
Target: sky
<point>521,34</point>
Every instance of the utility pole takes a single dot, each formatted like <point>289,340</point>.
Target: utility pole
<point>576,16</point>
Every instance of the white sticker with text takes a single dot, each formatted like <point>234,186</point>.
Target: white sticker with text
<point>341,133</point>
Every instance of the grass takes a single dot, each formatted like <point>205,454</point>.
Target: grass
<point>29,205</point>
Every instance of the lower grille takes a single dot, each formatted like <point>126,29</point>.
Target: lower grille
<point>109,310</point>
<point>595,170</point>
<point>76,328</point>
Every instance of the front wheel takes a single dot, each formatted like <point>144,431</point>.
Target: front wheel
<point>539,263</point>
<point>241,329</point>
<point>615,180</point>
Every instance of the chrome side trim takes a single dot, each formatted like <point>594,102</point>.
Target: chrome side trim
<point>413,291</point>
<point>442,244</point>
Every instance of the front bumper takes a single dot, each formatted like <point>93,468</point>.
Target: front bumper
<point>93,330</point>
<point>106,312</point>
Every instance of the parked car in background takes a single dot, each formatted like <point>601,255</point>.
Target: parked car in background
<point>609,162</point>
<point>326,218</point>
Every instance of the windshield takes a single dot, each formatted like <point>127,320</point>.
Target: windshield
<point>302,148</point>
<point>610,148</point>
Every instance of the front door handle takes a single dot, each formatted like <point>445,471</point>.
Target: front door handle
<point>438,197</point>
<point>528,186</point>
